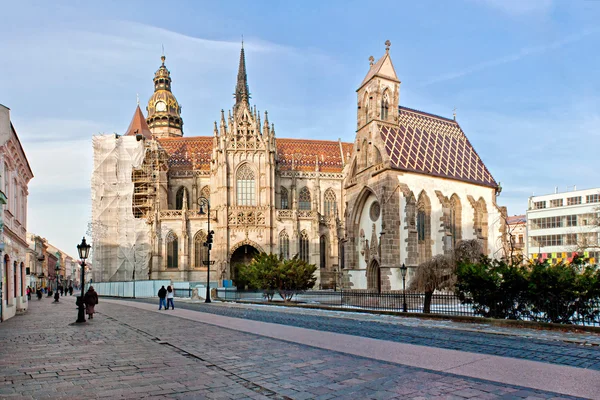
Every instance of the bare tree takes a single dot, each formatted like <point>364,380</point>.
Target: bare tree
<point>435,274</point>
<point>468,251</point>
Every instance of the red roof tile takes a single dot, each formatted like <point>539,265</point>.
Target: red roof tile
<point>193,153</point>
<point>138,125</point>
<point>303,154</point>
<point>428,144</point>
<point>516,219</point>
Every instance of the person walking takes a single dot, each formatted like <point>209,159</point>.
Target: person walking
<point>70,290</point>
<point>170,296</point>
<point>28,293</point>
<point>162,293</point>
<point>90,300</point>
<point>62,291</point>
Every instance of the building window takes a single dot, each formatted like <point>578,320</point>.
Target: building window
<point>330,203</point>
<point>421,225</point>
<point>556,203</point>
<point>592,198</point>
<point>180,197</point>
<point>172,250</point>
<point>200,250</point>
<point>571,239</point>
<point>547,240</point>
<point>284,245</point>
<point>384,106</point>
<point>205,192</point>
<point>571,220</point>
<point>246,195</point>
<point>546,223</point>
<point>284,199</point>
<point>304,255</point>
<point>539,205</point>
<point>573,201</point>
<point>323,251</point>
<point>304,199</point>
<point>587,219</point>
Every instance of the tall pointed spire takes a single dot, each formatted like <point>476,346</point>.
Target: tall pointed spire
<point>242,92</point>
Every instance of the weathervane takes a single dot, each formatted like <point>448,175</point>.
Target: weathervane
<point>371,60</point>
<point>387,46</point>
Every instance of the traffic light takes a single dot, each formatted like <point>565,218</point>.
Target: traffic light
<point>209,240</point>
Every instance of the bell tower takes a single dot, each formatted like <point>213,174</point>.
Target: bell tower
<point>164,112</point>
<point>378,95</point>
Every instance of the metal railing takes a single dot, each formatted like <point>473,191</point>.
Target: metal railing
<point>441,303</point>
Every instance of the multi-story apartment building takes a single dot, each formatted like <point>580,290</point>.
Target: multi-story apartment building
<point>15,174</point>
<point>563,224</point>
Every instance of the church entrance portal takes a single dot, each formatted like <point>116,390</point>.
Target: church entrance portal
<point>242,255</point>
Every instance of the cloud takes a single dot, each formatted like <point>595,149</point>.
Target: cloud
<point>524,52</point>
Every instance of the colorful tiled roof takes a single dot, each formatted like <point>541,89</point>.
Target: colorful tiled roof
<point>138,125</point>
<point>303,154</point>
<point>193,153</point>
<point>428,144</point>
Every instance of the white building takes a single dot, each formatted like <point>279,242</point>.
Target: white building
<point>15,175</point>
<point>562,224</point>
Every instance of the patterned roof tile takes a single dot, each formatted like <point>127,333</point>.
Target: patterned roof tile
<point>433,145</point>
<point>193,153</point>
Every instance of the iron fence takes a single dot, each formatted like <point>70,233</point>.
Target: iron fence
<point>441,303</point>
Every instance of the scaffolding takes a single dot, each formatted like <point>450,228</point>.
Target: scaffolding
<point>124,187</point>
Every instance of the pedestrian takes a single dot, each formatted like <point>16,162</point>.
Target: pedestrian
<point>162,293</point>
<point>70,290</point>
<point>62,291</point>
<point>38,292</point>
<point>90,299</point>
<point>28,293</point>
<point>170,296</point>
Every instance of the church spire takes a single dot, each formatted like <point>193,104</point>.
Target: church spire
<point>242,92</point>
<point>164,111</point>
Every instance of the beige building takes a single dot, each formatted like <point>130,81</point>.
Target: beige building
<point>15,175</point>
<point>409,187</point>
<point>516,232</point>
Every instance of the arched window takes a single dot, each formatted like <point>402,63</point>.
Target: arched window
<point>455,220</point>
<point>364,153</point>
<point>205,192</point>
<point>323,251</point>
<point>246,191</point>
<point>284,199</point>
<point>421,225</point>
<point>330,203</point>
<point>384,106</point>
<point>181,195</point>
<point>200,251</point>
<point>172,251</point>
<point>304,254</point>
<point>284,245</point>
<point>304,199</point>
<point>376,156</point>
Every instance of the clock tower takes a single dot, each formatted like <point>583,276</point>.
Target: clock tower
<point>164,112</point>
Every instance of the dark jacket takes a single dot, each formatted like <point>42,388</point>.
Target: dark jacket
<point>90,298</point>
<point>162,293</point>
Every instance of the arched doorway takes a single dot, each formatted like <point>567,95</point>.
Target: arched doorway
<point>374,277</point>
<point>241,255</point>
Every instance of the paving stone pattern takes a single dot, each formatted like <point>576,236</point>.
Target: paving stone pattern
<point>131,353</point>
<point>554,352</point>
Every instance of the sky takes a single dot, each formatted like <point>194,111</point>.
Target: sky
<point>522,75</point>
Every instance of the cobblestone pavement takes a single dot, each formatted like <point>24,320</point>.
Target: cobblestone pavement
<point>528,348</point>
<point>132,353</point>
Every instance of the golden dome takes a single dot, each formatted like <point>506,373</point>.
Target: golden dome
<point>163,108</point>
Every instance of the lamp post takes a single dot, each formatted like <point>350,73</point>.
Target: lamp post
<point>84,251</point>
<point>203,201</point>
<point>57,277</point>
<point>403,270</point>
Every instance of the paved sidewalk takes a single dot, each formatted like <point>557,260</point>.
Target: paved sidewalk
<point>128,352</point>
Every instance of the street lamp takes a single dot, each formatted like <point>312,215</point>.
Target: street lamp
<point>84,251</point>
<point>203,201</point>
<point>403,270</point>
<point>56,276</point>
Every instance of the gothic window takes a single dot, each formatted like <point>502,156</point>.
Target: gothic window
<point>179,197</point>
<point>304,199</point>
<point>304,254</point>
<point>354,169</point>
<point>330,203</point>
<point>376,156</point>
<point>284,245</point>
<point>366,105</point>
<point>455,220</point>
<point>172,250</point>
<point>384,106</point>
<point>480,223</point>
<point>421,225</point>
<point>364,154</point>
<point>323,251</point>
<point>246,191</point>
<point>200,251</point>
<point>284,199</point>
<point>205,192</point>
